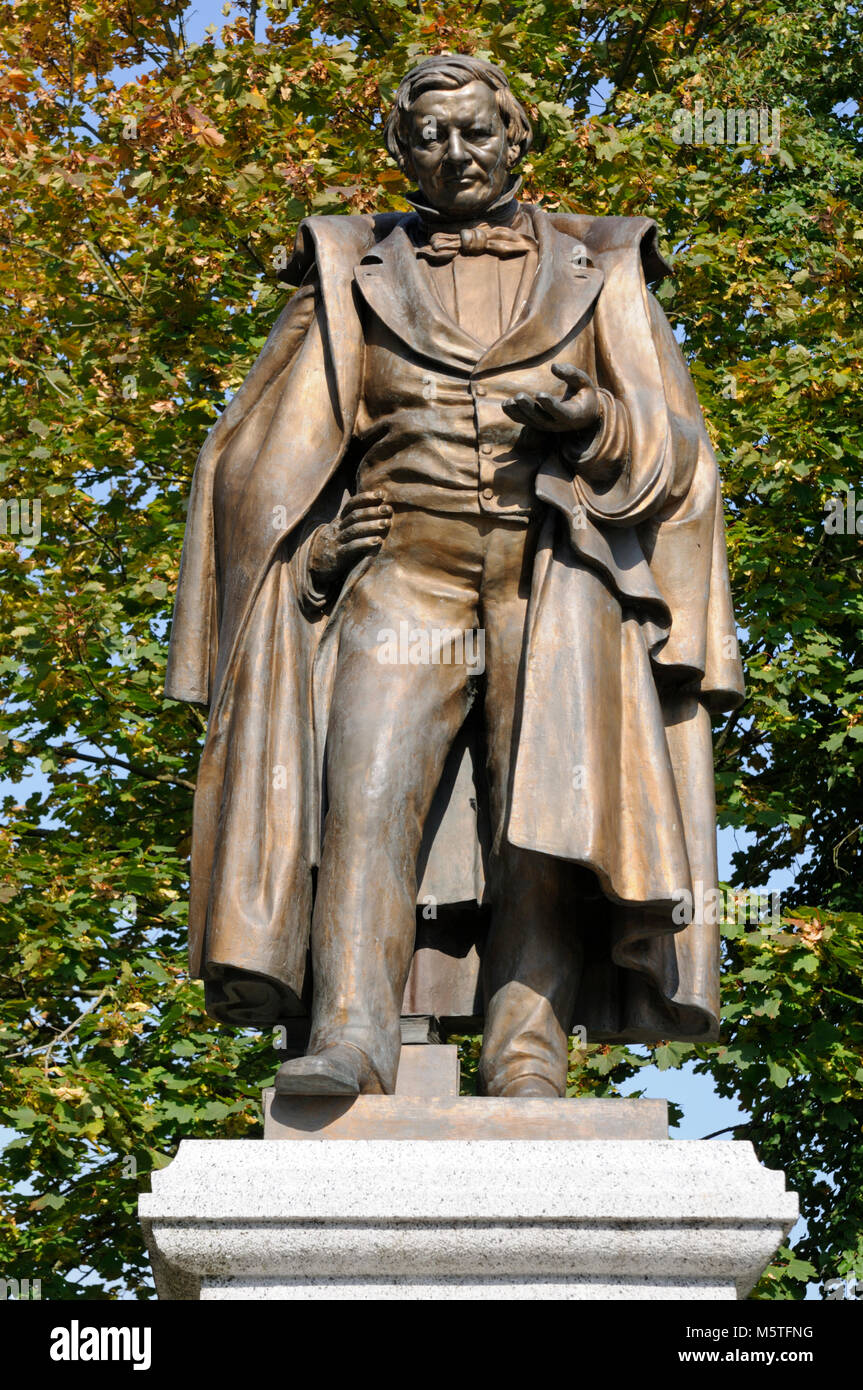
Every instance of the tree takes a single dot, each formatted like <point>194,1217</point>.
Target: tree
<point>152,189</point>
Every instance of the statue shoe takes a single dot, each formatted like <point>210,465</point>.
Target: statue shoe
<point>530,1087</point>
<point>339,1070</point>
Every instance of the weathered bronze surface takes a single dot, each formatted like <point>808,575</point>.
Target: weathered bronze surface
<point>464,1117</point>
<point>454,586</point>
<point>431,1072</point>
<point>427,1105</point>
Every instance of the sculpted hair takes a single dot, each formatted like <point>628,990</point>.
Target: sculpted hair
<point>446,72</point>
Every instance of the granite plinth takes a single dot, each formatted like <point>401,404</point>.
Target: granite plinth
<point>463,1219</point>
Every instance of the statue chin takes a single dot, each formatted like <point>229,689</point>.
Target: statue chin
<point>473,200</point>
<point>468,202</point>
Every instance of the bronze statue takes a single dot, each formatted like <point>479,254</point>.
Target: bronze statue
<point>454,586</point>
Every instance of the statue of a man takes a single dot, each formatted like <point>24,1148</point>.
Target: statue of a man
<point>454,586</point>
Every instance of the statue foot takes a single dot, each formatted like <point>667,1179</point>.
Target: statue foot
<point>535,1087</point>
<point>334,1071</point>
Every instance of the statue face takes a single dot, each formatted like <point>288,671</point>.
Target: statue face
<point>459,150</point>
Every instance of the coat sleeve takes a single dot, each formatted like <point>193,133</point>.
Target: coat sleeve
<point>654,529</point>
<point>607,453</point>
<point>687,546</point>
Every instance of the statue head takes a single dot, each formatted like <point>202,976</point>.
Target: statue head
<point>457,129</point>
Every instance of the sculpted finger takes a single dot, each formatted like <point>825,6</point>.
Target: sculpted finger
<point>363,545</point>
<point>573,376</point>
<point>555,409</point>
<point>375,528</point>
<point>515,412</point>
<point>376,513</point>
<point>519,407</point>
<point>361,500</point>
<point>538,418</point>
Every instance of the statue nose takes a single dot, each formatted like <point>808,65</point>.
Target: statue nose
<point>455,149</point>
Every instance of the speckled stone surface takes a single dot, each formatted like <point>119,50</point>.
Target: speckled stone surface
<point>518,1290</point>
<point>426,1219</point>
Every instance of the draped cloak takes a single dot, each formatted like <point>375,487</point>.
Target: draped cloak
<point>630,645</point>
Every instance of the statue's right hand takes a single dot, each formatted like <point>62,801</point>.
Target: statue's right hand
<point>359,529</point>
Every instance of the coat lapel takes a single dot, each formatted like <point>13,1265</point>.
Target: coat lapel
<point>393,285</point>
<point>562,293</point>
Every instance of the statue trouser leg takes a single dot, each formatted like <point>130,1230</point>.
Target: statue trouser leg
<point>531,972</point>
<point>392,723</point>
<point>391,726</point>
<point>532,961</point>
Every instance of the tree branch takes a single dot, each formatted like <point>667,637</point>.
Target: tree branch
<point>729,1129</point>
<point>107,760</point>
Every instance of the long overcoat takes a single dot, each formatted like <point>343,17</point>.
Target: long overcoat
<point>630,646</point>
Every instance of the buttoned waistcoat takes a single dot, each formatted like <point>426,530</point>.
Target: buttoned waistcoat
<point>430,428</point>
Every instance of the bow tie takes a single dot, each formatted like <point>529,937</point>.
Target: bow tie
<point>474,241</point>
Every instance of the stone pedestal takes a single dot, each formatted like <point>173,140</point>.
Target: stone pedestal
<point>434,1197</point>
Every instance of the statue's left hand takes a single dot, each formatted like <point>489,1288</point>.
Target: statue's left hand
<point>577,411</point>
